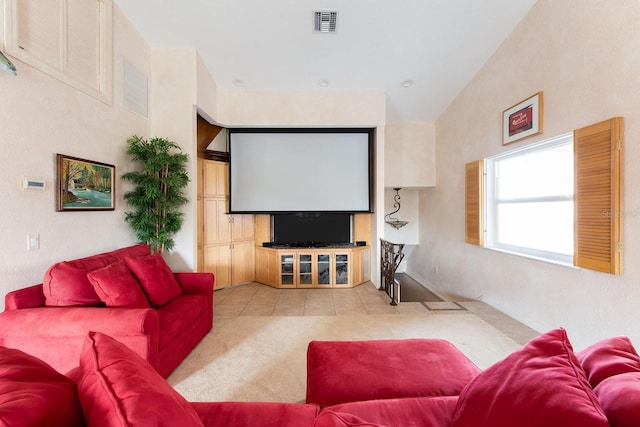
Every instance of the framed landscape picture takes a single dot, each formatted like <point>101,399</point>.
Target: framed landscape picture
<point>84,185</point>
<point>522,120</point>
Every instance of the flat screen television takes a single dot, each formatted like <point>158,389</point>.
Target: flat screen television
<point>311,229</point>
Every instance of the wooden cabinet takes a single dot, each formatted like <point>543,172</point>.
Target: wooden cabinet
<point>215,178</point>
<point>227,241</point>
<point>312,268</point>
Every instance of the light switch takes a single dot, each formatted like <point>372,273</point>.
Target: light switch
<point>33,242</point>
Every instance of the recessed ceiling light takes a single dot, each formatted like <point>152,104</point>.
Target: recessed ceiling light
<point>407,83</point>
<point>323,83</point>
<point>238,82</point>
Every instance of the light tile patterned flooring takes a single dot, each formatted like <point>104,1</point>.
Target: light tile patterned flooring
<point>255,299</point>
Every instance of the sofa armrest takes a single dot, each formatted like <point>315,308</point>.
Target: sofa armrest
<point>195,283</point>
<point>198,284</point>
<point>56,334</point>
<point>25,298</point>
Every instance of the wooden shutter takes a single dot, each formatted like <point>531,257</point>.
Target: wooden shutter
<point>473,202</point>
<point>598,196</point>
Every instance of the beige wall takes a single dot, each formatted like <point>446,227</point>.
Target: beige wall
<point>585,56</point>
<point>410,154</point>
<point>41,117</point>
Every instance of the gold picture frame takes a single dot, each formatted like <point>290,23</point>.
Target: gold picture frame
<point>523,119</point>
<point>84,185</point>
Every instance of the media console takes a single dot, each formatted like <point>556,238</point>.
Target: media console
<point>340,266</point>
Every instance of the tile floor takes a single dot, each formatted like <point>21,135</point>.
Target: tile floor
<point>255,299</point>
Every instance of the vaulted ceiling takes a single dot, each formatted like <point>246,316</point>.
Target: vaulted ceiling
<point>421,53</point>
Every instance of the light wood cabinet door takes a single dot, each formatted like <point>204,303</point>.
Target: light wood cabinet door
<point>217,229</point>
<point>216,179</point>
<point>242,262</point>
<point>356,271</point>
<point>267,266</point>
<point>262,266</point>
<point>242,227</point>
<point>217,260</point>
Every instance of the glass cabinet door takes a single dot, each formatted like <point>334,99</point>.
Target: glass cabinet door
<point>324,269</point>
<point>305,276</point>
<point>342,269</point>
<point>286,269</point>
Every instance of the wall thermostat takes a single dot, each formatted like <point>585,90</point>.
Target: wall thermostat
<point>33,183</point>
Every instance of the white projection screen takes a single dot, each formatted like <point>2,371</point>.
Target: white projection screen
<point>302,170</point>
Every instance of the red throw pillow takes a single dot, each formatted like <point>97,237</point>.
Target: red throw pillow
<point>619,397</point>
<point>116,286</point>
<point>66,284</point>
<point>32,393</point>
<point>608,357</point>
<point>542,384</point>
<point>119,388</point>
<point>155,277</point>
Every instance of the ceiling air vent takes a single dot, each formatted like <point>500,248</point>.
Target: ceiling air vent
<point>325,21</point>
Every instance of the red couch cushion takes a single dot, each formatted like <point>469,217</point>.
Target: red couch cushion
<point>411,411</point>
<point>155,277</point>
<point>32,393</point>
<point>119,388</point>
<point>66,283</point>
<point>350,371</point>
<point>542,384</point>
<point>330,418</point>
<point>116,286</point>
<point>254,414</point>
<point>619,397</point>
<point>612,366</point>
<point>608,357</point>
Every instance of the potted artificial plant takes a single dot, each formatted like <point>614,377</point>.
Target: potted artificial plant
<point>158,193</point>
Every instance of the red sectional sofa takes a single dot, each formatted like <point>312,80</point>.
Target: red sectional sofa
<point>543,384</point>
<point>128,294</point>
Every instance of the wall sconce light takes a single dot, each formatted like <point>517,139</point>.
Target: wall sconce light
<point>7,65</point>
<point>389,219</point>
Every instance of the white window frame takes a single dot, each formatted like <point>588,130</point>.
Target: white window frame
<point>491,203</point>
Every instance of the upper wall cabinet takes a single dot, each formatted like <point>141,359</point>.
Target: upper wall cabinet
<point>410,154</point>
<point>70,40</point>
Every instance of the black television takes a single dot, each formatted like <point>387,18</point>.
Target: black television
<point>311,229</point>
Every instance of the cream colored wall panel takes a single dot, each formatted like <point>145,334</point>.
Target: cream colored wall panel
<point>410,154</point>
<point>71,40</point>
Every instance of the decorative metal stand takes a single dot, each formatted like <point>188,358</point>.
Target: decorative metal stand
<point>389,219</point>
<point>390,258</point>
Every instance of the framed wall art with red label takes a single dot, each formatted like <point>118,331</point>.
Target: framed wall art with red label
<point>522,120</point>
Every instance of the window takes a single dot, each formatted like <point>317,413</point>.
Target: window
<point>529,206</point>
<point>557,200</point>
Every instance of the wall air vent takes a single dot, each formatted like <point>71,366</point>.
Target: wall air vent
<point>325,21</point>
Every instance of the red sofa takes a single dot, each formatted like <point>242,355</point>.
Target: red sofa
<point>128,294</point>
<point>542,384</point>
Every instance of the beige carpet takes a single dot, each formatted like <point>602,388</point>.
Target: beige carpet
<point>255,358</point>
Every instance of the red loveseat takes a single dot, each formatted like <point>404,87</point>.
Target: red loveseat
<point>128,294</point>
